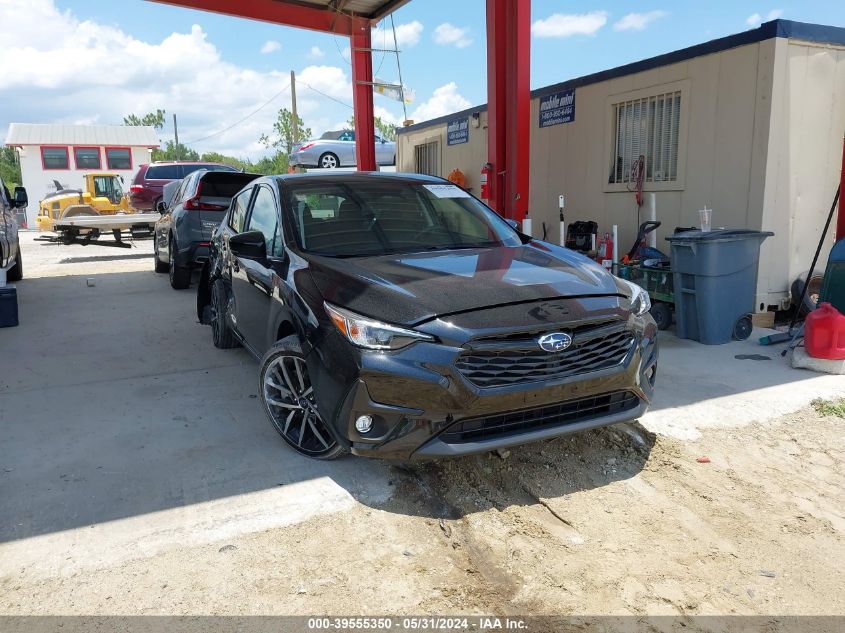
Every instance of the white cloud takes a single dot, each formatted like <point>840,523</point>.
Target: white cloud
<point>184,73</point>
<point>270,46</point>
<point>755,19</point>
<point>445,100</point>
<point>567,25</point>
<point>447,34</point>
<point>316,53</point>
<point>638,21</point>
<point>407,35</point>
<point>329,80</point>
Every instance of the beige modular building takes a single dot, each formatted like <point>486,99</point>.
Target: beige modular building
<point>750,125</point>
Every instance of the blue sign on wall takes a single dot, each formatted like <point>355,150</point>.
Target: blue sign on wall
<point>457,131</point>
<point>557,108</point>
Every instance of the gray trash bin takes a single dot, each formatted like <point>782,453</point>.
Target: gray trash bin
<point>715,275</point>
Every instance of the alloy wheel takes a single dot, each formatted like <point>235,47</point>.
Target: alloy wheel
<point>328,161</point>
<point>289,400</point>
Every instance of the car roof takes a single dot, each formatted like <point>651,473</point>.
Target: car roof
<point>358,177</point>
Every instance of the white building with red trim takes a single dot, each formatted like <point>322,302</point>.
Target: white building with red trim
<point>51,154</point>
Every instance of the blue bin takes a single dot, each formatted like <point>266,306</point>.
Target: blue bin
<point>715,278</point>
<point>833,288</point>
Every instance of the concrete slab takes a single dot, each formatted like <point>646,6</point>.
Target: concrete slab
<point>706,386</point>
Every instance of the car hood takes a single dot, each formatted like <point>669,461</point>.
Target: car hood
<point>413,288</point>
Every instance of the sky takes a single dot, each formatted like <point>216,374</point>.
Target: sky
<point>94,61</point>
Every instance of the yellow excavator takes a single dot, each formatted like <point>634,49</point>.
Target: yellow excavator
<point>102,195</point>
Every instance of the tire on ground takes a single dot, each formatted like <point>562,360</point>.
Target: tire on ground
<point>15,273</point>
<point>221,332</point>
<point>290,346</point>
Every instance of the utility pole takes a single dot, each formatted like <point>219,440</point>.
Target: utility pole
<point>176,134</point>
<point>293,107</point>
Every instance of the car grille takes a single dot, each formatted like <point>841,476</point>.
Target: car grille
<point>508,364</point>
<point>549,416</point>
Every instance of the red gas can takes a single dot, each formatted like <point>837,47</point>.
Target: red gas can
<point>824,333</point>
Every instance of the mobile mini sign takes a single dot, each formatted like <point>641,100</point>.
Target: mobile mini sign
<point>557,108</point>
<point>457,131</point>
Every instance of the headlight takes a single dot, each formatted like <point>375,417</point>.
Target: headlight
<point>640,301</point>
<point>370,334</point>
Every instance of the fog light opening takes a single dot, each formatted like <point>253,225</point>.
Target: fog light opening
<point>650,374</point>
<point>363,424</point>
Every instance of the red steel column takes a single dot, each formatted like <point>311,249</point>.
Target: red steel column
<point>362,94</point>
<point>509,104</point>
<point>840,220</point>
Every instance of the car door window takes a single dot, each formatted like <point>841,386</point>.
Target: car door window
<point>237,216</point>
<point>265,218</point>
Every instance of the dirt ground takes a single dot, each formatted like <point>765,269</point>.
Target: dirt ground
<point>614,521</point>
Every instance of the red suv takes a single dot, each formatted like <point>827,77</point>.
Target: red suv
<point>146,187</point>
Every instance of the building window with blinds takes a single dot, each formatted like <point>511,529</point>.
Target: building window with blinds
<point>649,128</point>
<point>427,158</point>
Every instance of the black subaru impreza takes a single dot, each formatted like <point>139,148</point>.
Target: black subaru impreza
<point>397,316</point>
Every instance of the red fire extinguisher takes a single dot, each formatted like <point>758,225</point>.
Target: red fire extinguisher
<point>604,255</point>
<point>486,172</point>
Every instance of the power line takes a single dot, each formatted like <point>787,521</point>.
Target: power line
<point>343,103</point>
<point>251,114</point>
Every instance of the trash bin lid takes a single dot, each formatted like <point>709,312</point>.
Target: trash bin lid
<point>720,235</point>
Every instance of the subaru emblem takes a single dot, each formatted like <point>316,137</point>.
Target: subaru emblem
<point>555,342</point>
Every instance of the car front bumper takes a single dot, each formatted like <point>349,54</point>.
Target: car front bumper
<point>423,407</point>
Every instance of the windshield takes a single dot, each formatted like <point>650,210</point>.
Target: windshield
<point>379,218</point>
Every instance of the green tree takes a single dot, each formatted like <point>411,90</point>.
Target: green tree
<point>153,119</point>
<point>10,168</point>
<point>216,157</point>
<point>283,136</point>
<point>271,165</point>
<point>385,130</point>
<point>171,152</point>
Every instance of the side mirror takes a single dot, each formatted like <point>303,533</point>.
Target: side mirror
<point>21,199</point>
<point>161,207</point>
<point>249,245</point>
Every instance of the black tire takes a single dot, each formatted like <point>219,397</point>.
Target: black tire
<point>117,235</point>
<point>180,276</point>
<point>15,273</point>
<point>662,315</point>
<point>329,161</point>
<point>160,266</point>
<point>743,328</point>
<point>221,332</point>
<point>284,385</point>
<point>813,290</point>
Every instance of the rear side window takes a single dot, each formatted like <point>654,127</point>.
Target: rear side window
<point>163,172</point>
<point>238,213</point>
<point>189,169</point>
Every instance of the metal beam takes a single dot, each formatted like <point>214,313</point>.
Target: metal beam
<point>509,104</point>
<point>286,13</point>
<point>362,94</point>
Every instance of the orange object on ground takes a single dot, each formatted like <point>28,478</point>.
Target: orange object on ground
<point>824,333</point>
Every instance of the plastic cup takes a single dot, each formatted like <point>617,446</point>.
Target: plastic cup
<point>705,215</point>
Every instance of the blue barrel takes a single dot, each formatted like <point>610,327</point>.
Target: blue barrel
<point>833,287</point>
<point>715,278</point>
